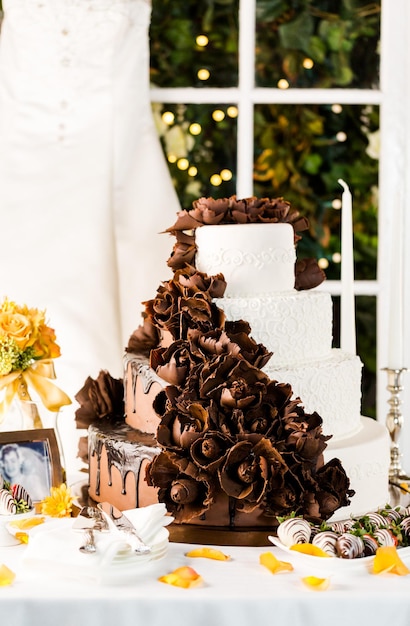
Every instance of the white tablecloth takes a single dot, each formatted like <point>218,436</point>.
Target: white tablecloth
<point>239,592</point>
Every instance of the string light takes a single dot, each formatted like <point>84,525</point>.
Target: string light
<point>307,63</point>
<point>192,171</point>
<point>337,204</point>
<point>336,257</point>
<point>168,117</point>
<point>283,83</point>
<point>232,111</point>
<point>341,136</point>
<point>215,180</point>
<point>182,164</point>
<point>323,263</point>
<point>203,74</point>
<point>218,115</point>
<point>202,41</point>
<point>195,128</point>
<point>226,174</point>
<point>337,108</point>
<point>172,158</point>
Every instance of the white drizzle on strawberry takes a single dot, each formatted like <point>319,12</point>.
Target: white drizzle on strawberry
<point>294,530</point>
<point>8,505</point>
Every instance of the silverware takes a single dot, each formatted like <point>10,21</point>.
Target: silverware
<point>88,547</point>
<point>89,520</point>
<point>124,527</point>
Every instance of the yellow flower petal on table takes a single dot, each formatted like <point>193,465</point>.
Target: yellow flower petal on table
<point>22,537</point>
<point>208,553</point>
<point>317,584</point>
<point>387,560</point>
<point>310,549</point>
<point>59,503</point>
<point>27,523</point>
<point>6,576</point>
<point>185,577</point>
<point>269,560</point>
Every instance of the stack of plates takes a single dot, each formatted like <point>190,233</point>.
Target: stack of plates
<point>54,547</point>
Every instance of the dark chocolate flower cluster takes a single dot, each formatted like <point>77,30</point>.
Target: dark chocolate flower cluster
<point>225,427</point>
<point>210,211</point>
<point>99,399</point>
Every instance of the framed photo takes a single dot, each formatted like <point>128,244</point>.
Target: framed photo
<point>31,458</point>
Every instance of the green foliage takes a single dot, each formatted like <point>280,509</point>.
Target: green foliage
<point>176,58</point>
<point>340,37</point>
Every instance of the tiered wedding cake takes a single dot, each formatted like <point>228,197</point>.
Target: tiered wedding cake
<point>236,437</point>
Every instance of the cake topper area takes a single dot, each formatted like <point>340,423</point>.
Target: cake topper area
<point>210,212</point>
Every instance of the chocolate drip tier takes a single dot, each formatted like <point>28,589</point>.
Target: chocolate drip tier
<point>118,456</point>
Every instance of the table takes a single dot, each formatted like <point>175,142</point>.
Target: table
<point>239,592</point>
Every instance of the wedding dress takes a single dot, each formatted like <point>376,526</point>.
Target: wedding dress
<point>84,187</point>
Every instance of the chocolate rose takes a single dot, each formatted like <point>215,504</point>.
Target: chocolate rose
<point>208,450</point>
<point>143,339</point>
<point>333,488</point>
<point>265,417</point>
<point>247,469</point>
<point>285,490</point>
<point>305,434</point>
<point>192,282</point>
<point>182,488</point>
<point>176,427</point>
<point>186,302</point>
<point>233,339</point>
<point>102,398</point>
<point>174,363</point>
<point>308,274</point>
<point>183,252</point>
<point>233,382</point>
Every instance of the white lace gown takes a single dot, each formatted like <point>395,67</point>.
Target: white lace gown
<point>84,187</point>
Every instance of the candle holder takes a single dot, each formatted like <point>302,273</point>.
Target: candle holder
<point>394,423</point>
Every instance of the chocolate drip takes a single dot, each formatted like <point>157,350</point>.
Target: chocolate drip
<point>126,449</point>
<point>139,368</point>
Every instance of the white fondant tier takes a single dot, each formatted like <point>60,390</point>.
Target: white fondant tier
<point>254,258</point>
<point>295,326</point>
<point>331,387</point>
<point>365,458</point>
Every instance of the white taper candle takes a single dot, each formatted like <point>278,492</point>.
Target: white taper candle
<point>347,304</point>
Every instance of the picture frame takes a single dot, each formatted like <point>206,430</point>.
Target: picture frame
<point>31,458</point>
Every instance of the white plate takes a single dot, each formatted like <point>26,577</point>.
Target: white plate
<point>331,565</point>
<point>54,546</point>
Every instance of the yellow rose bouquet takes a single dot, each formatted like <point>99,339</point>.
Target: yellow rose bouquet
<point>27,349</point>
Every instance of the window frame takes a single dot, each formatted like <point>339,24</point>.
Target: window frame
<point>393,98</point>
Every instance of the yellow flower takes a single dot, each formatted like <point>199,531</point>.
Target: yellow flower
<point>59,503</point>
<point>17,327</point>
<point>45,346</point>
